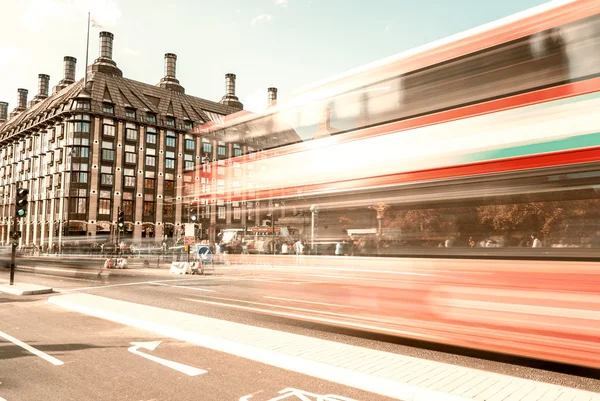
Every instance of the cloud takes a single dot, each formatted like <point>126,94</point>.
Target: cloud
<point>281,3</point>
<point>43,14</point>
<point>388,28</point>
<point>261,19</point>
<point>131,52</point>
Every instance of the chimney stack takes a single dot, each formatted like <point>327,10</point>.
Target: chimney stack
<point>230,99</point>
<point>230,84</point>
<point>22,99</point>
<point>3,111</point>
<point>272,99</point>
<point>106,45</point>
<point>43,87</point>
<point>21,102</point>
<point>68,75</point>
<point>169,81</point>
<point>170,65</point>
<point>105,63</point>
<point>69,70</point>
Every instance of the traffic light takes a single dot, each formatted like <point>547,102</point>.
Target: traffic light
<point>21,202</point>
<point>192,214</point>
<point>15,235</point>
<point>121,219</point>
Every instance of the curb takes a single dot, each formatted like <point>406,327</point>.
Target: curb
<point>62,272</point>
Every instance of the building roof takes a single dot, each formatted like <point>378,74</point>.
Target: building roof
<point>122,93</point>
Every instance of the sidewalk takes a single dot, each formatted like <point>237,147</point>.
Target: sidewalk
<point>23,288</point>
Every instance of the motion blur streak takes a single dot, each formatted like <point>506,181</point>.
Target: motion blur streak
<point>478,154</point>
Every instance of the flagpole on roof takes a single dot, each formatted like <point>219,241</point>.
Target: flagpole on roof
<point>87,50</point>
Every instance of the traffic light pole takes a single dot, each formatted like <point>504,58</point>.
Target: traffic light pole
<point>13,256</point>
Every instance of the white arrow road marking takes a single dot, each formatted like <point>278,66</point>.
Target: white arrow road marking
<point>151,346</point>
<point>34,351</point>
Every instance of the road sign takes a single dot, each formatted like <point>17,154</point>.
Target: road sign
<point>189,240</point>
<point>205,254</point>
<point>189,230</point>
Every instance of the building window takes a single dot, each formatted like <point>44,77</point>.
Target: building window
<point>170,163</point>
<point>108,155</point>
<point>104,207</point>
<point>109,130</point>
<point>221,212</point>
<point>130,113</point>
<point>80,127</point>
<point>151,138</point>
<point>129,182</point>
<point>207,147</point>
<point>190,144</point>
<point>237,150</point>
<point>151,117</point>
<point>220,170</point>
<point>189,165</point>
<point>106,179</point>
<point>128,207</point>
<point>148,209</point>
<point>79,177</point>
<point>130,158</point>
<point>237,213</point>
<point>169,185</point>
<point>82,105</point>
<point>188,125</point>
<point>78,205</point>
<point>170,121</point>
<point>82,152</point>
<point>221,150</point>
<point>131,134</point>
<point>171,139</point>
<point>108,108</point>
<point>168,211</point>
<point>150,161</point>
<point>129,172</point>
<point>149,183</point>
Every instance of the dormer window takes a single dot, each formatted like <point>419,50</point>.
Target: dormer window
<point>188,125</point>
<point>130,113</point>
<point>151,117</point>
<point>108,108</point>
<point>82,104</point>
<point>170,121</point>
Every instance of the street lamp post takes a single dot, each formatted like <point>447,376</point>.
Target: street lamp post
<point>380,209</point>
<point>314,210</point>
<point>72,154</point>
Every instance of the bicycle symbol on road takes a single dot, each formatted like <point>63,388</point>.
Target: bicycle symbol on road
<point>295,394</point>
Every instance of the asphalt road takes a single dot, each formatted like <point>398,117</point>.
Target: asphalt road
<point>98,363</point>
<point>244,295</point>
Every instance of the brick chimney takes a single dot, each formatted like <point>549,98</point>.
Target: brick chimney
<point>68,75</point>
<point>43,88</point>
<point>105,63</point>
<point>324,128</point>
<point>3,111</point>
<point>230,99</point>
<point>272,97</point>
<point>169,81</point>
<point>21,102</point>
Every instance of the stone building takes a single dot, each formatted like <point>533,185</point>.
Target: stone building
<point>95,145</point>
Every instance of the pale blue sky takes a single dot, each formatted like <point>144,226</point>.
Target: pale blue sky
<point>281,43</point>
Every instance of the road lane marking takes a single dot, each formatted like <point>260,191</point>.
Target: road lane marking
<point>96,287</point>
<point>310,302</point>
<point>316,318</point>
<point>183,286</point>
<point>151,346</point>
<point>34,351</point>
<point>385,373</point>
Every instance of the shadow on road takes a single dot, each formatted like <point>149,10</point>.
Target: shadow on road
<point>11,351</point>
